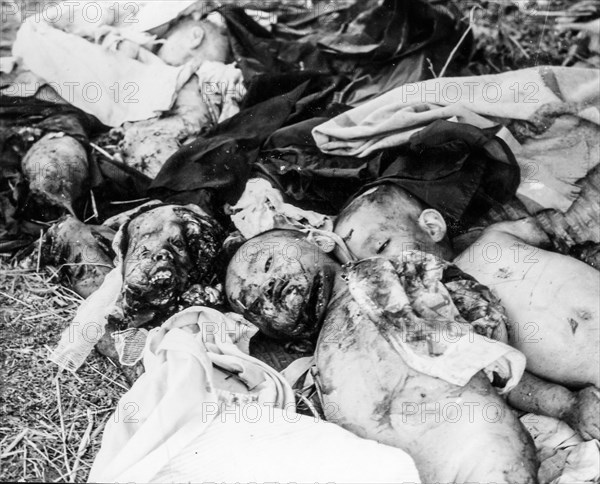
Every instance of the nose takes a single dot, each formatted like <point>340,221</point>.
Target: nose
<point>162,255</point>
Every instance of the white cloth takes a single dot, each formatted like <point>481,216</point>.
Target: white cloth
<point>109,85</point>
<point>88,18</point>
<point>565,458</point>
<point>7,64</point>
<point>261,208</point>
<point>181,422</point>
<point>88,325</point>
<point>565,99</point>
<point>222,87</point>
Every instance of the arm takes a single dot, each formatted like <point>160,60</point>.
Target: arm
<point>579,409</point>
<point>527,230</point>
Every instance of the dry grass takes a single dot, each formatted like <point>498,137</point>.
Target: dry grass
<point>51,424</point>
<point>507,38</point>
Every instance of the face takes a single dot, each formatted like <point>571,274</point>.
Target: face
<point>157,261</point>
<point>383,222</point>
<point>281,283</point>
<point>199,40</point>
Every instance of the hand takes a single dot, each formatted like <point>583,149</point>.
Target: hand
<point>584,415</point>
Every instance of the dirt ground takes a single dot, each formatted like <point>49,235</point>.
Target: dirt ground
<point>51,425</point>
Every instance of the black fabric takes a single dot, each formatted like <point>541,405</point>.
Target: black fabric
<point>314,181</point>
<point>222,160</point>
<point>456,168</point>
<point>298,76</point>
<point>377,46</point>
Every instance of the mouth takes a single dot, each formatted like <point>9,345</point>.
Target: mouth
<point>315,301</point>
<point>161,277</point>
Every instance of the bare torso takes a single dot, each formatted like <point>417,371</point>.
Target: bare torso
<point>368,389</point>
<point>552,301</point>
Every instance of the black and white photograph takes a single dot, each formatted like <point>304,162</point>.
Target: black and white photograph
<point>300,241</point>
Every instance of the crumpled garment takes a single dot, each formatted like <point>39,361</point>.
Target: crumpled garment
<point>455,168</point>
<point>222,87</point>
<point>406,300</point>
<point>564,456</point>
<point>556,108</point>
<point>378,45</point>
<point>109,85</point>
<point>261,208</point>
<point>221,160</point>
<point>203,399</point>
<point>89,324</point>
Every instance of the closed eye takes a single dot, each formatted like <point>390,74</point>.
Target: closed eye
<point>143,251</point>
<point>177,243</point>
<point>268,263</point>
<point>383,246</point>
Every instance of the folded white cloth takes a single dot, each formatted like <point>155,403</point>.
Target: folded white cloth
<point>205,411</point>
<point>86,18</point>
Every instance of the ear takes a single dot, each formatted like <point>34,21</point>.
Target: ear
<point>196,37</point>
<point>432,222</point>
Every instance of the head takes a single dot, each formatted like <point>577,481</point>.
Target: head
<point>195,40</point>
<point>386,220</point>
<point>282,283</point>
<point>165,250</point>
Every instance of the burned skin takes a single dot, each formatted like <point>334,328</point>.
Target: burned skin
<point>82,251</point>
<point>284,294</point>
<point>157,263</point>
<point>368,389</point>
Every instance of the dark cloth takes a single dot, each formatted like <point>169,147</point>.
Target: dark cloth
<point>222,161</point>
<point>458,169</point>
<point>377,46</point>
<point>24,120</point>
<point>315,181</point>
<point>298,75</point>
